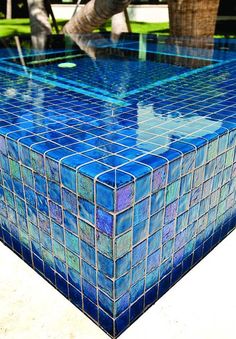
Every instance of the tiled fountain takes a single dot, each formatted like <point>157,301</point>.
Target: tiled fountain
<point>117,173</point>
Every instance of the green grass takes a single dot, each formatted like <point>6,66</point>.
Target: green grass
<point>143,27</point>
<point>19,26</point>
<point>22,26</point>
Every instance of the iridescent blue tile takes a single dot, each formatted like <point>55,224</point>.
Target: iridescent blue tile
<point>167,250</point>
<point>124,221</point>
<point>140,231</point>
<point>42,204</point>
<point>86,210</point>
<point>141,211</point>
<point>139,252</point>
<point>105,265</point>
<point>115,178</point>
<point>104,244</point>
<point>105,302</point>
<point>72,242</point>
<point>123,265</point>
<point>138,272</point>
<point>105,196</point>
<point>13,149</point>
<point>104,221</point>
<point>3,147</point>
<point>174,170</point>
<point>58,232</point>
<point>69,201</point>
<point>122,304</point>
<point>68,177</point>
<point>105,284</point>
<point>122,285</point>
<point>124,197</point>
<point>52,170</point>
<point>171,211</point>
<point>152,278</point>
<point>142,187</point>
<point>159,178</point>
<point>70,222</point>
<point>54,192</point>
<point>55,212</point>
<point>30,196</point>
<point>157,201</point>
<point>40,184</point>
<point>37,161</point>
<point>137,290</point>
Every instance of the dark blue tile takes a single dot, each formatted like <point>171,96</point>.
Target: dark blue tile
<point>61,284</point>
<point>136,309</point>
<point>122,322</point>
<point>90,308</point>
<point>164,286</point>
<point>151,296</point>
<point>106,322</point>
<point>75,296</point>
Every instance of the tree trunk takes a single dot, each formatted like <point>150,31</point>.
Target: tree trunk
<point>9,9</point>
<point>119,24</point>
<point>39,22</point>
<point>94,14</point>
<point>193,18</point>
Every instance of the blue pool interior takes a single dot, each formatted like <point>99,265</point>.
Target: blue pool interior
<point>117,172</point>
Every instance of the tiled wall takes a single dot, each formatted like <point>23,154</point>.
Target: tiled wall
<point>113,265</point>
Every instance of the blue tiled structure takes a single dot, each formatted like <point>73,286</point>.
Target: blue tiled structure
<point>115,182</point>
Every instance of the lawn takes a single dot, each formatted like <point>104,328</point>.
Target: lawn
<point>22,26</point>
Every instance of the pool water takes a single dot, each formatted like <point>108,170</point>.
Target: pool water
<point>117,164</point>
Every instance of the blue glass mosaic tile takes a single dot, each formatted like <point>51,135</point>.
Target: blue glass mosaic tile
<point>117,175</point>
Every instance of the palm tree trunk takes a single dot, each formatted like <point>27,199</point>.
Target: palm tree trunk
<point>120,24</point>
<point>93,15</point>
<point>39,22</point>
<point>193,18</point>
<point>9,9</point>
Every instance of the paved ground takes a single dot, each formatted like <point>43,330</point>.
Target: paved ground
<point>201,306</point>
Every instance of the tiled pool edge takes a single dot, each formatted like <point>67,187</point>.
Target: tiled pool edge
<point>114,233</point>
<point>168,279</point>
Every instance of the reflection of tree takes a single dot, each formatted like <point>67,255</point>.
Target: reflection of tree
<point>39,23</point>
<point>93,46</point>
<point>199,50</point>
